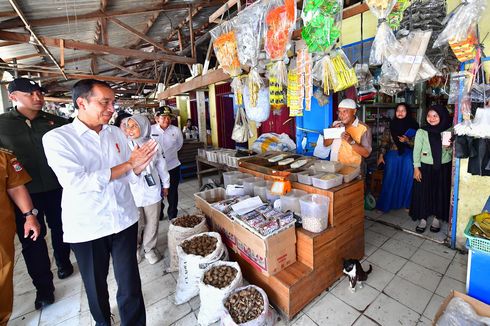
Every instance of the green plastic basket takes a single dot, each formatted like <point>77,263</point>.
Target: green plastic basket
<point>476,242</point>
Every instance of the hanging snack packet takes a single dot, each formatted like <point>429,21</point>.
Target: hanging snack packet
<point>462,21</point>
<point>294,94</point>
<point>395,17</point>
<point>343,71</point>
<point>225,48</point>
<point>304,66</point>
<point>384,36</point>
<point>322,20</point>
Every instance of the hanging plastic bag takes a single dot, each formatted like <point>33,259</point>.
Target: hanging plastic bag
<point>365,78</point>
<point>462,21</point>
<point>241,129</point>
<point>322,24</point>
<point>280,20</point>
<point>176,234</point>
<point>225,48</point>
<point>384,35</point>
<point>304,65</point>
<point>212,297</point>
<point>261,111</point>
<point>249,30</point>
<point>395,17</point>
<point>237,87</point>
<point>192,266</point>
<point>266,317</point>
<point>294,94</point>
<point>343,71</point>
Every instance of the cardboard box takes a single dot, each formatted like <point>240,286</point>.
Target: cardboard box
<point>220,222</point>
<point>269,254</point>
<point>480,308</point>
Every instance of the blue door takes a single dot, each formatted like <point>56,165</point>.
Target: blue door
<point>311,124</point>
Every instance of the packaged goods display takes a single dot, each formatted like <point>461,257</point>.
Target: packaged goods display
<point>321,19</point>
<point>294,94</point>
<point>345,74</point>
<point>304,65</point>
<point>226,49</point>
<point>395,17</point>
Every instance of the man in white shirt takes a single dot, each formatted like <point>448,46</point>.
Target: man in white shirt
<point>170,139</point>
<point>94,165</point>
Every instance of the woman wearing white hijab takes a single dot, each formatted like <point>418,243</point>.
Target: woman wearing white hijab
<point>148,191</point>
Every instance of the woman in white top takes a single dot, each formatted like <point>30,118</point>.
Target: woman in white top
<point>148,191</point>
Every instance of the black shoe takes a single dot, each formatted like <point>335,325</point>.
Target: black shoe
<point>434,229</point>
<point>419,229</point>
<point>43,301</point>
<point>65,272</point>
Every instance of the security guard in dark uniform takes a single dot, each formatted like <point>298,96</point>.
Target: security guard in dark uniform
<point>21,130</point>
<point>12,180</point>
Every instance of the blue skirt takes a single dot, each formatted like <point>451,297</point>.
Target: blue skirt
<point>396,192</point>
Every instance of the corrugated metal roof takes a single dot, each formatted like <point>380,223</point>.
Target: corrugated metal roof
<point>86,31</point>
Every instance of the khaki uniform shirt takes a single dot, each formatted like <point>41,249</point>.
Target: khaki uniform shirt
<point>12,175</point>
<point>24,137</point>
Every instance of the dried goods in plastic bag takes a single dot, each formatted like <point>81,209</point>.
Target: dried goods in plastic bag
<point>225,48</point>
<point>365,78</point>
<point>254,83</point>
<point>462,21</point>
<point>249,29</point>
<point>343,71</point>
<point>395,17</point>
<point>322,22</point>
<point>384,35</point>
<point>280,20</point>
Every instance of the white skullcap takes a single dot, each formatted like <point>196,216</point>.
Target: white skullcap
<point>348,104</point>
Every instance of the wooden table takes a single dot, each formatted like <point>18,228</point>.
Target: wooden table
<point>207,167</point>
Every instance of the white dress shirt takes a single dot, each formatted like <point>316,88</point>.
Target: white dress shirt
<point>170,141</point>
<point>93,206</point>
<point>145,195</point>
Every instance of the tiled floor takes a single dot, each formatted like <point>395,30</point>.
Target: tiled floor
<point>401,220</point>
<point>410,278</point>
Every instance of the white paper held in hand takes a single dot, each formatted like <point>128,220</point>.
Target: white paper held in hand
<point>333,133</point>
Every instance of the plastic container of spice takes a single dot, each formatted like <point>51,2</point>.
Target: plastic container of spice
<point>327,181</point>
<point>290,201</point>
<point>314,212</point>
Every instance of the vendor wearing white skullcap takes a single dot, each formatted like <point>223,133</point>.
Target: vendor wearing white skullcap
<point>356,141</point>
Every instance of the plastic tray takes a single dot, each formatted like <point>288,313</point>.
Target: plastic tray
<point>305,176</point>
<point>327,184</point>
<point>327,166</point>
<point>476,242</point>
<point>348,177</point>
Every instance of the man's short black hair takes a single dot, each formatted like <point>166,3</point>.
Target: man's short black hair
<point>83,88</point>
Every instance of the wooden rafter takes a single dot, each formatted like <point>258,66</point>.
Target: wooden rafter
<point>107,78</point>
<point>121,67</point>
<point>70,44</point>
<point>184,22</point>
<point>15,23</point>
<point>140,35</point>
<point>212,77</point>
<point>191,34</point>
<point>24,57</point>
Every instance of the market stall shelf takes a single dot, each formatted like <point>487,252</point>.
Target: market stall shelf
<point>205,166</point>
<point>319,256</point>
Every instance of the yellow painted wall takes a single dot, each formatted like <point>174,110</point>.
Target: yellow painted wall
<point>182,106</point>
<point>212,115</point>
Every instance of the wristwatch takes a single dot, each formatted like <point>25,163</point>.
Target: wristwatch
<point>353,142</point>
<point>31,212</point>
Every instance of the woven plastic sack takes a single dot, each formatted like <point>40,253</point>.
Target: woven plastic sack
<point>175,235</point>
<point>191,268</point>
<point>212,297</point>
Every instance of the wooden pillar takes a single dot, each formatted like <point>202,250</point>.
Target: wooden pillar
<point>201,116</point>
<point>213,117</point>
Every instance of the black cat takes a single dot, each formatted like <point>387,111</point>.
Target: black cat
<point>353,270</point>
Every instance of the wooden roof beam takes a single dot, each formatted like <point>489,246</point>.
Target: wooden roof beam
<point>184,22</point>
<point>211,77</point>
<point>24,57</point>
<point>70,44</point>
<point>107,78</point>
<point>140,35</point>
<point>15,23</point>
<point>122,68</point>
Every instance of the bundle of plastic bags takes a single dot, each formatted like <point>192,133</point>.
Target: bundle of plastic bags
<point>273,142</point>
<point>322,23</point>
